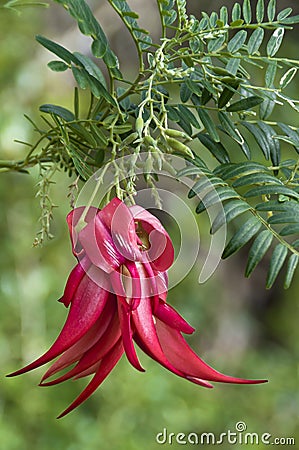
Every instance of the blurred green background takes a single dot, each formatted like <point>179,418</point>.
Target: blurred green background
<point>244,330</point>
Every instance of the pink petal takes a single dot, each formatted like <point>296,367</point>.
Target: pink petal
<point>87,305</point>
<point>73,219</point>
<point>119,220</point>
<point>72,284</point>
<point>107,364</point>
<point>97,352</point>
<point>171,317</point>
<point>161,252</point>
<point>93,335</point>
<point>146,335</point>
<point>98,245</point>
<point>184,359</point>
<point>124,312</point>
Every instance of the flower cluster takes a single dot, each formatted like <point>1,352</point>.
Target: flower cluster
<point>117,296</point>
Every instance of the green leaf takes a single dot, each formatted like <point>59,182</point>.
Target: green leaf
<point>284,13</point>
<point>57,49</point>
<point>231,210</point>
<point>258,250</point>
<point>215,44</point>
<point>255,178</point>
<point>243,235</point>
<point>260,10</point>
<point>233,66</point>
<point>275,42</point>
<point>271,10</point>
<point>247,11</point>
<point>237,41</point>
<point>236,23</point>
<point>270,74</point>
<point>255,41</point>
<point>224,15</point>
<point>285,217</point>
<point>271,190</point>
<point>208,124</point>
<point>274,144</point>
<point>185,92</point>
<point>259,136</point>
<point>229,127</point>
<point>266,108</point>
<point>278,257</point>
<point>292,134</point>
<point>215,196</point>
<point>59,111</point>
<point>205,183</point>
<point>57,66</point>
<point>187,115</point>
<point>216,148</point>
<point>287,77</point>
<point>228,92</point>
<point>290,20</point>
<point>80,77</point>
<point>289,229</point>
<point>91,68</point>
<point>274,205</point>
<point>291,267</point>
<point>245,104</point>
<point>228,171</point>
<point>236,12</point>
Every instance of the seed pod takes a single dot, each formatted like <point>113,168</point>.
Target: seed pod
<point>176,134</point>
<point>179,147</point>
<point>149,140</point>
<point>129,139</point>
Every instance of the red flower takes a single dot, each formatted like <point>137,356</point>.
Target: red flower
<point>117,295</point>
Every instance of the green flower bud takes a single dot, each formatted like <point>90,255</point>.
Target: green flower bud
<point>179,147</point>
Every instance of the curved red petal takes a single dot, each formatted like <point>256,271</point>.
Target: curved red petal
<point>171,317</point>
<point>88,303</point>
<point>107,364</point>
<point>183,358</point>
<point>124,313</point>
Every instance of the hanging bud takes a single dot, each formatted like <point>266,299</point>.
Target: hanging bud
<point>139,124</point>
<point>172,133</point>
<point>179,147</point>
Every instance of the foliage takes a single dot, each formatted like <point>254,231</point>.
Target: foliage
<point>223,114</point>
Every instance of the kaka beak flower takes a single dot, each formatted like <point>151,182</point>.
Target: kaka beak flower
<point>117,296</point>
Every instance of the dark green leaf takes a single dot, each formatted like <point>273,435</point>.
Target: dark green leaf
<point>290,133</point>
<point>271,10</point>
<point>258,250</point>
<point>215,196</point>
<point>291,267</point>
<point>290,20</point>
<point>255,41</point>
<point>255,178</point>
<point>285,217</point>
<point>228,93</point>
<point>259,137</point>
<point>245,104</point>
<point>58,66</point>
<point>260,10</point>
<point>274,144</point>
<point>290,229</point>
<point>91,68</point>
<point>247,11</point>
<point>216,148</point>
<point>185,93</point>
<point>284,13</point>
<point>229,126</point>
<point>231,210</point>
<point>287,77</point>
<point>59,111</point>
<point>270,74</point>
<point>236,12</point>
<point>278,257</point>
<point>57,49</point>
<point>188,116</point>
<point>80,77</point>
<point>275,42</point>
<point>228,171</point>
<point>208,124</point>
<point>271,190</point>
<point>243,235</point>
<point>274,205</point>
<point>237,41</point>
<point>203,184</point>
